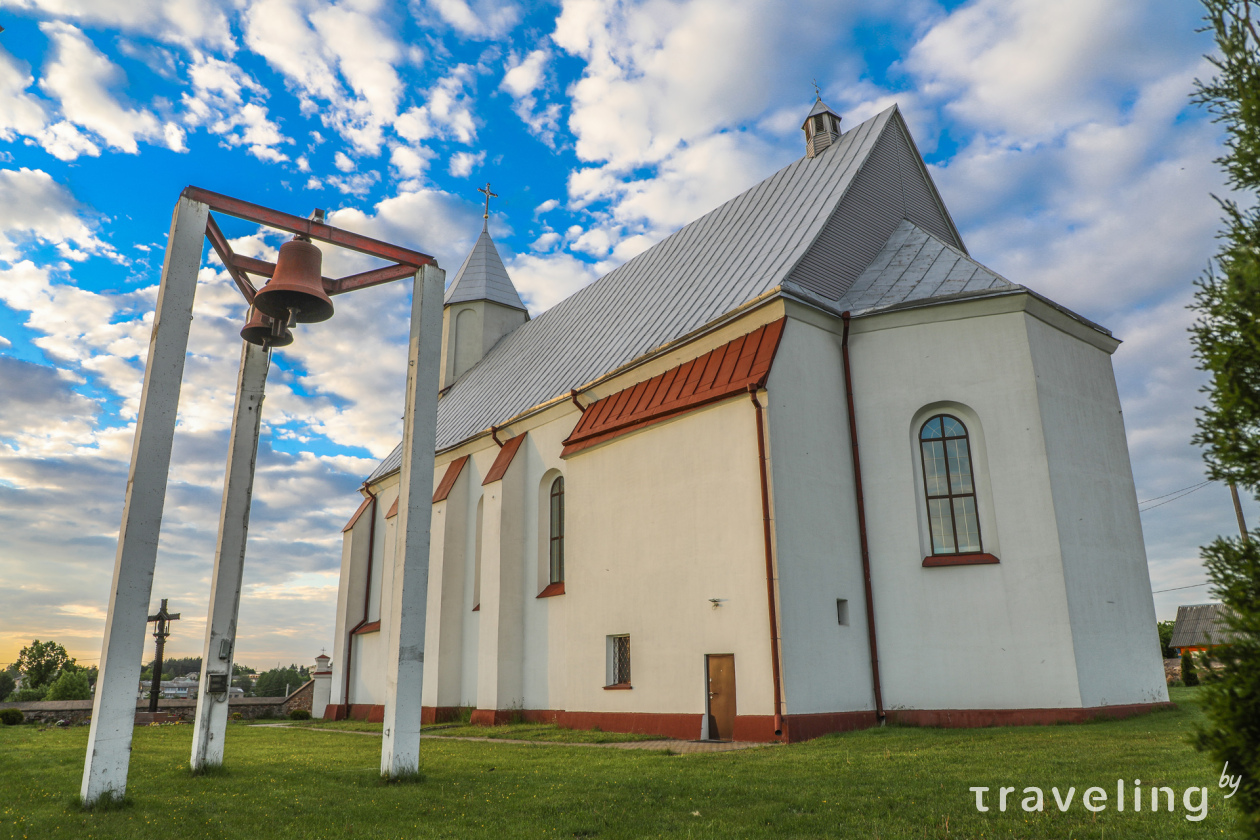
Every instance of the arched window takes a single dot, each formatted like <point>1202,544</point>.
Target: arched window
<point>557,530</point>
<point>949,486</point>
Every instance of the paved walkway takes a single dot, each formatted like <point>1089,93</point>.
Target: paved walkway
<point>679,747</point>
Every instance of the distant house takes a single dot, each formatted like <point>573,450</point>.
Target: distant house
<point>1199,627</point>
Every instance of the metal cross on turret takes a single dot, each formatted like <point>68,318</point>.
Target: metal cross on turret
<point>161,632</point>
<point>489,195</point>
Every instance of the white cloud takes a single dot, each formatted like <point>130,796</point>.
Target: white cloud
<point>462,163</point>
<point>79,76</point>
<point>229,103</point>
<point>342,55</point>
<point>522,82</point>
<point>186,22</point>
<point>34,207</point>
<point>478,19</point>
<point>20,113</point>
<point>546,207</point>
<point>447,112</point>
<point>342,162</point>
<point>545,280</point>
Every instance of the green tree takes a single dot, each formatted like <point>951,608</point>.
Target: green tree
<point>7,684</point>
<point>71,685</point>
<point>1226,337</point>
<point>1189,676</point>
<point>1165,636</point>
<point>272,683</point>
<point>41,662</point>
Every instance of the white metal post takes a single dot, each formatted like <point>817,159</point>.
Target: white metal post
<point>114,707</point>
<point>404,652</point>
<point>229,559</point>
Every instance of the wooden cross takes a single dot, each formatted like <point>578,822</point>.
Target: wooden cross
<point>161,632</point>
<point>489,195</point>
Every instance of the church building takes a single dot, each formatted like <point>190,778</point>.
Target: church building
<point>803,466</point>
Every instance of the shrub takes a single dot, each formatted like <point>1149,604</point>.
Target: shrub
<point>299,714</point>
<point>12,717</point>
<point>71,685</point>
<point>1188,675</point>
<point>237,716</point>
<point>28,695</point>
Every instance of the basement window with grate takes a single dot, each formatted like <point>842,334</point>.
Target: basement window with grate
<point>618,662</point>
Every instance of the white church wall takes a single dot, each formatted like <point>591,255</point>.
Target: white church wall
<point>660,521</point>
<point>961,637</point>
<point>367,684</point>
<point>826,666</point>
<point>476,469</point>
<point>350,587</point>
<point>1100,532</point>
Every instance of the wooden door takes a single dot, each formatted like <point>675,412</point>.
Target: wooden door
<point>721,670</point>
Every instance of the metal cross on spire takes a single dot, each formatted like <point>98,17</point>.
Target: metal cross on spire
<point>489,195</point>
<point>817,92</point>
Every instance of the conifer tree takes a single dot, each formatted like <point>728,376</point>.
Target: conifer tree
<point>1226,337</point>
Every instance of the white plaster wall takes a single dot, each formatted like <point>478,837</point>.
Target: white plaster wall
<point>1104,559</point>
<point>659,522</point>
<point>470,634</point>
<point>826,666</point>
<point>349,599</point>
<point>367,684</point>
<point>963,637</point>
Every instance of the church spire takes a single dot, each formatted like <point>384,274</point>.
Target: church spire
<point>481,304</point>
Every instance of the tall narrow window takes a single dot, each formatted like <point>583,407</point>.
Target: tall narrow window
<point>557,530</point>
<point>619,660</point>
<point>950,489</point>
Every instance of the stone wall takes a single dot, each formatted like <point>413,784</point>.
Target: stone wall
<point>249,708</point>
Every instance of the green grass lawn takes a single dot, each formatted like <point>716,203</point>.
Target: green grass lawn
<point>890,783</point>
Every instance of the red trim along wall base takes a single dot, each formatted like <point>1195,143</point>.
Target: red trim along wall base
<point>369,712</point>
<point>797,728</point>
<point>756,727</point>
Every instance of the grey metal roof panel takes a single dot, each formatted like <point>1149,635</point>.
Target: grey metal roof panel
<point>744,248</point>
<point>483,277</point>
<point>1200,624</point>
<point>915,265</point>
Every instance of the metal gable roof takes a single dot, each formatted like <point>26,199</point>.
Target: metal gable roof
<point>744,248</point>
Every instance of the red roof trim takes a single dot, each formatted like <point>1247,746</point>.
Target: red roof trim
<point>373,627</point>
<point>447,483</point>
<point>504,459</point>
<point>357,514</point>
<point>716,375</point>
<point>393,509</point>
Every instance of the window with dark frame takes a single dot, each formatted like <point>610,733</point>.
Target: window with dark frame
<point>557,530</point>
<point>620,653</point>
<point>949,486</point>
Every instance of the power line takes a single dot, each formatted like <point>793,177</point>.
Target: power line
<point>1166,495</point>
<point>1175,588</point>
<point>1176,498</point>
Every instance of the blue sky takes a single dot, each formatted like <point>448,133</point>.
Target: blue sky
<point>1060,135</point>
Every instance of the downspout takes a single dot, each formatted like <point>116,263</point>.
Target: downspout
<point>770,593</point>
<point>861,512</point>
<point>367,596</point>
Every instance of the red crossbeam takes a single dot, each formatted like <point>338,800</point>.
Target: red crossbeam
<point>224,250</point>
<point>306,227</point>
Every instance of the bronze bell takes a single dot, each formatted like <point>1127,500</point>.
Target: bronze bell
<point>296,290</point>
<point>265,331</point>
